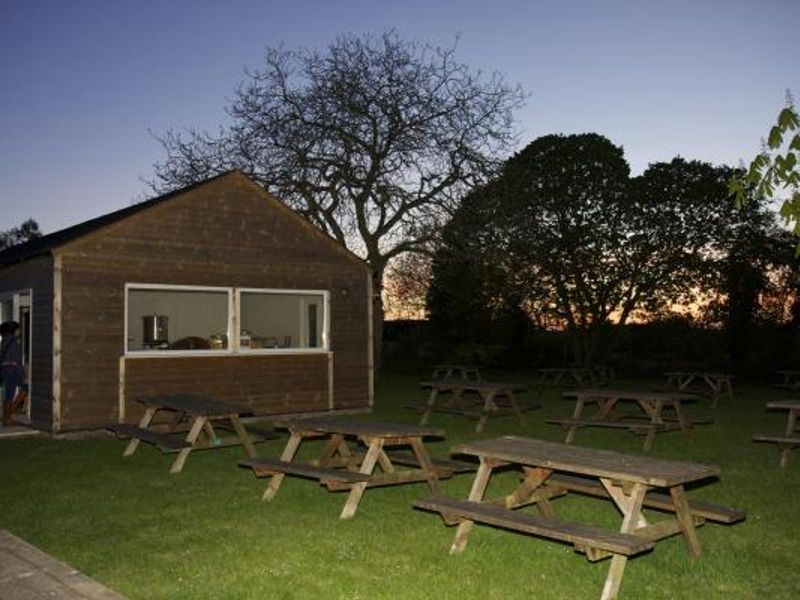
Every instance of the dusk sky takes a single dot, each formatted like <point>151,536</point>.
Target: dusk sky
<point>85,84</point>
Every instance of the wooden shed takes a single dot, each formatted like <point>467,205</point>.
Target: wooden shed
<point>217,289</point>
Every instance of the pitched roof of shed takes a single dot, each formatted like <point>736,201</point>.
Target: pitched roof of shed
<point>51,241</point>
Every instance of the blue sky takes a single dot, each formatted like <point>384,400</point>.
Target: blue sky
<point>84,83</point>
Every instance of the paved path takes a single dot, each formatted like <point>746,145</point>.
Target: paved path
<point>27,573</point>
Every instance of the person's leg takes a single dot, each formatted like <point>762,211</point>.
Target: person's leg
<point>11,381</point>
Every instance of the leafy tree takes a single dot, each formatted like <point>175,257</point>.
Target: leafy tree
<point>755,250</point>
<point>27,230</point>
<point>374,140</point>
<point>776,167</point>
<point>468,282</point>
<point>605,247</point>
<point>580,245</point>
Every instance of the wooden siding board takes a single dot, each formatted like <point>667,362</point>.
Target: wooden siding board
<point>265,384</point>
<point>219,235</point>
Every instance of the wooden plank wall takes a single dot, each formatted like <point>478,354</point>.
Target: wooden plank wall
<point>37,274</point>
<point>225,233</point>
<point>265,384</point>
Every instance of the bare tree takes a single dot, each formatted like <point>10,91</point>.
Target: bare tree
<point>374,140</point>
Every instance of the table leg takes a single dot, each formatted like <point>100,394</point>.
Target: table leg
<point>456,397</point>
<point>606,407</point>
<point>385,462</point>
<point>716,387</point>
<point>367,467</point>
<point>194,433</point>
<point>244,437</point>
<point>684,423</point>
<point>175,421</point>
<point>332,446</point>
<point>632,513</point>
<point>287,456</point>
<point>486,410</point>
<point>512,400</point>
<point>729,385</point>
<point>208,428</point>
<point>580,403</point>
<point>534,477</point>
<point>653,410</point>
<point>431,403</point>
<point>622,500</point>
<point>475,495</point>
<point>425,464</point>
<point>791,431</point>
<point>149,413</point>
<point>685,520</point>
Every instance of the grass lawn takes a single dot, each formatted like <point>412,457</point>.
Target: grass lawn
<point>205,533</point>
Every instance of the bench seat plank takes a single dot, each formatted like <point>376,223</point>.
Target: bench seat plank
<point>659,501</point>
<point>574,533</point>
<point>640,427</point>
<point>777,439</point>
<point>258,432</point>
<point>265,466</point>
<point>475,411</point>
<point>166,442</point>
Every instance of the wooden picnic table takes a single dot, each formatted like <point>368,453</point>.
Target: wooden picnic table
<point>716,383</point>
<point>456,371</point>
<point>551,470</point>
<point>341,467</point>
<point>790,380</point>
<point>200,413</point>
<point>475,399</point>
<point>791,433</point>
<point>650,419</point>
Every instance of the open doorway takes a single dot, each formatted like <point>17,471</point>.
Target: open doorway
<point>18,306</point>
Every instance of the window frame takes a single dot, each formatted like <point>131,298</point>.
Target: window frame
<point>181,288</point>
<point>324,348</point>
<point>234,321</point>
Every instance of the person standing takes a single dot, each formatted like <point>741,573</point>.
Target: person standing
<point>11,367</point>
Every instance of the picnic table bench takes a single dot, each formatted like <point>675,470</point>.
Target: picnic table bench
<point>341,467</point>
<point>650,419</point>
<point>791,434</point>
<point>552,470</point>
<point>473,399</point>
<point>198,417</point>
<point>702,382</point>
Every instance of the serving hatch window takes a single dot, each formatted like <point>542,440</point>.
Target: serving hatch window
<point>178,319</point>
<point>282,320</point>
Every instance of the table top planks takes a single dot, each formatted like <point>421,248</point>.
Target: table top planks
<point>193,404</point>
<point>700,374</point>
<point>784,405</point>
<point>589,461</point>
<point>361,427</point>
<point>630,394</point>
<point>471,385</point>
